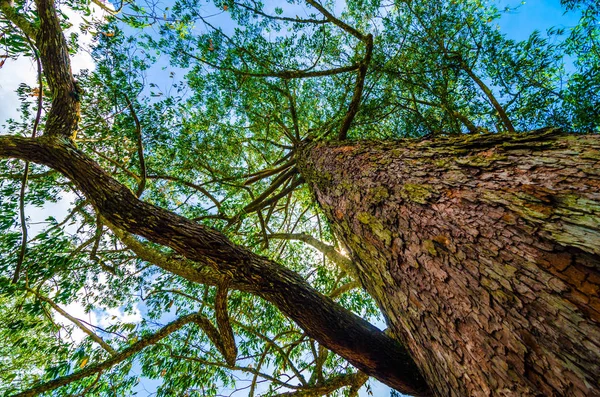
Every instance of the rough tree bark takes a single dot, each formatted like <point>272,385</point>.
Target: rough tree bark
<point>483,252</point>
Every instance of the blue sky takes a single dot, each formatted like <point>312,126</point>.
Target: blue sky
<point>534,15</point>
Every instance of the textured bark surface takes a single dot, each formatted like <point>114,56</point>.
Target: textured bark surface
<point>63,116</point>
<point>483,252</point>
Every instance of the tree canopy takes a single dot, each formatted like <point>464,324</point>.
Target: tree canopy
<point>202,109</point>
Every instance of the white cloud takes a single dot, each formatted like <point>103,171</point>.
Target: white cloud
<point>76,310</point>
<point>117,315</point>
<point>12,74</point>
<point>83,59</point>
<point>99,318</point>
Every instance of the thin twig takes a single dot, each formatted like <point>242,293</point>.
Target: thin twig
<point>23,248</point>
<point>75,321</point>
<point>116,359</point>
<point>140,148</point>
<point>278,18</point>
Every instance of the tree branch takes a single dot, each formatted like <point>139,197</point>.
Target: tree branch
<point>490,95</point>
<point>278,18</point>
<point>111,11</point>
<point>18,19</point>
<point>328,250</point>
<point>224,324</point>
<point>284,74</point>
<point>140,148</point>
<point>202,272</point>
<point>358,89</point>
<point>188,184</point>
<point>248,369</point>
<point>277,182</point>
<point>116,359</point>
<point>268,172</point>
<point>273,343</point>
<point>75,321</point>
<point>22,216</point>
<point>262,204</point>
<point>329,386</point>
<point>341,331</point>
<point>344,288</point>
<point>64,114</point>
<point>25,177</point>
<point>337,22</point>
<point>215,337</point>
<point>363,66</point>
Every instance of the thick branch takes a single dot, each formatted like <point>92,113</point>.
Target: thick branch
<point>224,324</point>
<point>215,337</point>
<point>12,15</point>
<point>331,325</point>
<point>337,22</point>
<point>343,289</point>
<point>54,53</point>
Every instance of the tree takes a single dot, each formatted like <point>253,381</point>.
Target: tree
<point>480,249</point>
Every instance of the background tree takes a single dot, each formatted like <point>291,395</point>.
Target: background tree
<point>220,147</point>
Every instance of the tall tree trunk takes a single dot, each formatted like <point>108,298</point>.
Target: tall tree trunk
<point>483,252</point>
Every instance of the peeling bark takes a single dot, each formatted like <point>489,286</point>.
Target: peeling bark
<point>482,251</point>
